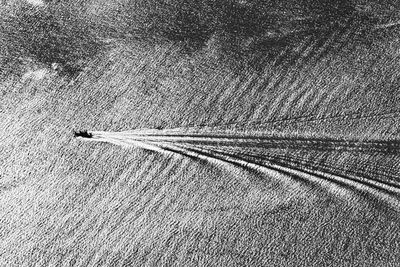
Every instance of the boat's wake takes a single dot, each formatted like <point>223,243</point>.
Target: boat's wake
<point>322,162</point>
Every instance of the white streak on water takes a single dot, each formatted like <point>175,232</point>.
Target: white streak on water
<point>167,144</point>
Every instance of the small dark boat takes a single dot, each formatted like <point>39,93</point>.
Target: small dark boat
<point>83,134</point>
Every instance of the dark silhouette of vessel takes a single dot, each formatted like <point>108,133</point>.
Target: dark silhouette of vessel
<point>83,134</point>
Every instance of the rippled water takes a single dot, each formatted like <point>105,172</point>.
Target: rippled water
<point>295,164</point>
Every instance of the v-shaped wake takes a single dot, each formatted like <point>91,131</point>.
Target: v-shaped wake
<point>315,160</point>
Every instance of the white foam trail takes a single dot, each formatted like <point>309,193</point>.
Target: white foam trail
<point>121,142</point>
<point>156,140</point>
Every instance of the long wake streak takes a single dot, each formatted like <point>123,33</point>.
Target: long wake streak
<point>274,156</point>
<point>251,141</point>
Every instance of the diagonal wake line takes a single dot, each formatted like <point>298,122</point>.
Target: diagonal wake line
<point>293,165</point>
<point>198,146</point>
<point>273,156</point>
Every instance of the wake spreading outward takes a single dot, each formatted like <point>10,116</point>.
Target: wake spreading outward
<point>320,161</point>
